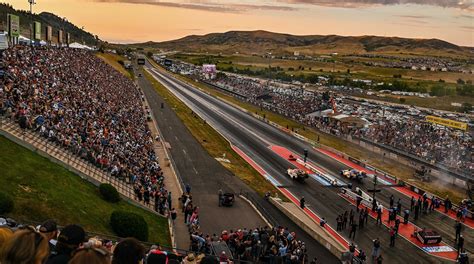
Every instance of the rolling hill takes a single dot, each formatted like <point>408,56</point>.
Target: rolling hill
<point>46,19</point>
<point>248,42</point>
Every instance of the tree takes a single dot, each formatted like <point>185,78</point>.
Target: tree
<point>109,193</point>
<point>460,81</point>
<point>438,90</point>
<point>126,224</point>
<point>149,54</point>
<point>348,71</point>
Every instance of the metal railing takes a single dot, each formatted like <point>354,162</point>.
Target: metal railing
<point>66,156</point>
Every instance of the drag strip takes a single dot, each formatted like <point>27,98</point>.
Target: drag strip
<point>253,136</point>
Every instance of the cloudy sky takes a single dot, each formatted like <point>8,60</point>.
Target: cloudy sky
<point>128,21</point>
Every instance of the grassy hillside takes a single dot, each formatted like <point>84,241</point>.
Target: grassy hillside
<point>44,190</point>
<point>248,42</point>
<point>46,19</point>
<point>113,60</point>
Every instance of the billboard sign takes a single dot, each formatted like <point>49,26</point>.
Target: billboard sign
<point>447,122</point>
<point>49,33</point>
<point>60,36</point>
<point>37,30</point>
<point>13,25</point>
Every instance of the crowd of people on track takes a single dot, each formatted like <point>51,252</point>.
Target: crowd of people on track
<point>74,99</point>
<point>264,244</point>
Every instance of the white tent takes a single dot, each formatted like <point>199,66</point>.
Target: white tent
<point>76,45</point>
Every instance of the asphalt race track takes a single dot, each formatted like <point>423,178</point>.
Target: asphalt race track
<point>254,137</point>
<point>206,176</point>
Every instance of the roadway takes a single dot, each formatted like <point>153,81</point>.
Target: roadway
<point>254,137</point>
<point>206,176</point>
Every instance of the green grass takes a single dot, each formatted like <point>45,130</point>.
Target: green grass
<point>213,142</point>
<point>113,60</point>
<point>397,169</point>
<point>44,190</point>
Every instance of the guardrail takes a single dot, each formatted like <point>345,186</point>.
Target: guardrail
<point>410,156</point>
<point>70,160</point>
<point>260,208</point>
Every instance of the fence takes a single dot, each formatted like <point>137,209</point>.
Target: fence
<point>71,161</point>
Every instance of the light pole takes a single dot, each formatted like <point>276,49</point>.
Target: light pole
<point>32,2</point>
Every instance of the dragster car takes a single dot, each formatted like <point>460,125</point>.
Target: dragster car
<point>297,174</point>
<point>353,174</point>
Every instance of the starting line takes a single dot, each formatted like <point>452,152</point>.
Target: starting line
<point>441,250</point>
<point>403,190</point>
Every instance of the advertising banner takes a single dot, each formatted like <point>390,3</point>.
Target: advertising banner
<point>49,33</point>
<point>37,30</point>
<point>13,25</point>
<point>447,122</point>
<point>60,36</point>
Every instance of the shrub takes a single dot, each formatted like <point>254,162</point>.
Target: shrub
<point>109,193</point>
<point>126,224</point>
<point>6,203</point>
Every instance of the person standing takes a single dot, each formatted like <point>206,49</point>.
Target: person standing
<point>375,249</point>
<point>173,214</point>
<point>352,233</point>
<point>379,215</point>
<point>399,207</point>
<point>366,215</point>
<point>412,203</point>
<point>458,227</point>
<point>392,237</point>
<point>344,220</point>
<point>339,223</point>
<point>397,225</point>
<point>460,244</point>
<point>361,219</point>
<point>302,203</point>
<point>406,216</point>
<point>220,193</point>
<point>351,217</point>
<point>416,210</point>
<point>391,201</point>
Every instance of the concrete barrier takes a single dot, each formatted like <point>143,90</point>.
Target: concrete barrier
<point>299,217</point>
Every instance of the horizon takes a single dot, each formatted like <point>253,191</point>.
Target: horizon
<point>136,21</point>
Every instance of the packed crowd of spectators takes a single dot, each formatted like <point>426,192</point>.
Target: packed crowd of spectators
<point>291,101</point>
<point>265,244</point>
<point>399,128</point>
<point>76,100</point>
<point>49,244</point>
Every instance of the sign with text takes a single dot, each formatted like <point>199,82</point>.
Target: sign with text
<point>447,122</point>
<point>13,25</point>
<point>60,36</point>
<point>37,30</point>
<point>49,33</point>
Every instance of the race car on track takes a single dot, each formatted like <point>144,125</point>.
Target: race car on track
<point>297,174</point>
<point>354,174</point>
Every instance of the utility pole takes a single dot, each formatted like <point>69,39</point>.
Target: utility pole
<point>32,26</point>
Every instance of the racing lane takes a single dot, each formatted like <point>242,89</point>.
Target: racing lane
<point>254,138</point>
<point>435,220</point>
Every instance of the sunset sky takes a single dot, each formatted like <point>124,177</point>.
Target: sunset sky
<point>127,21</point>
